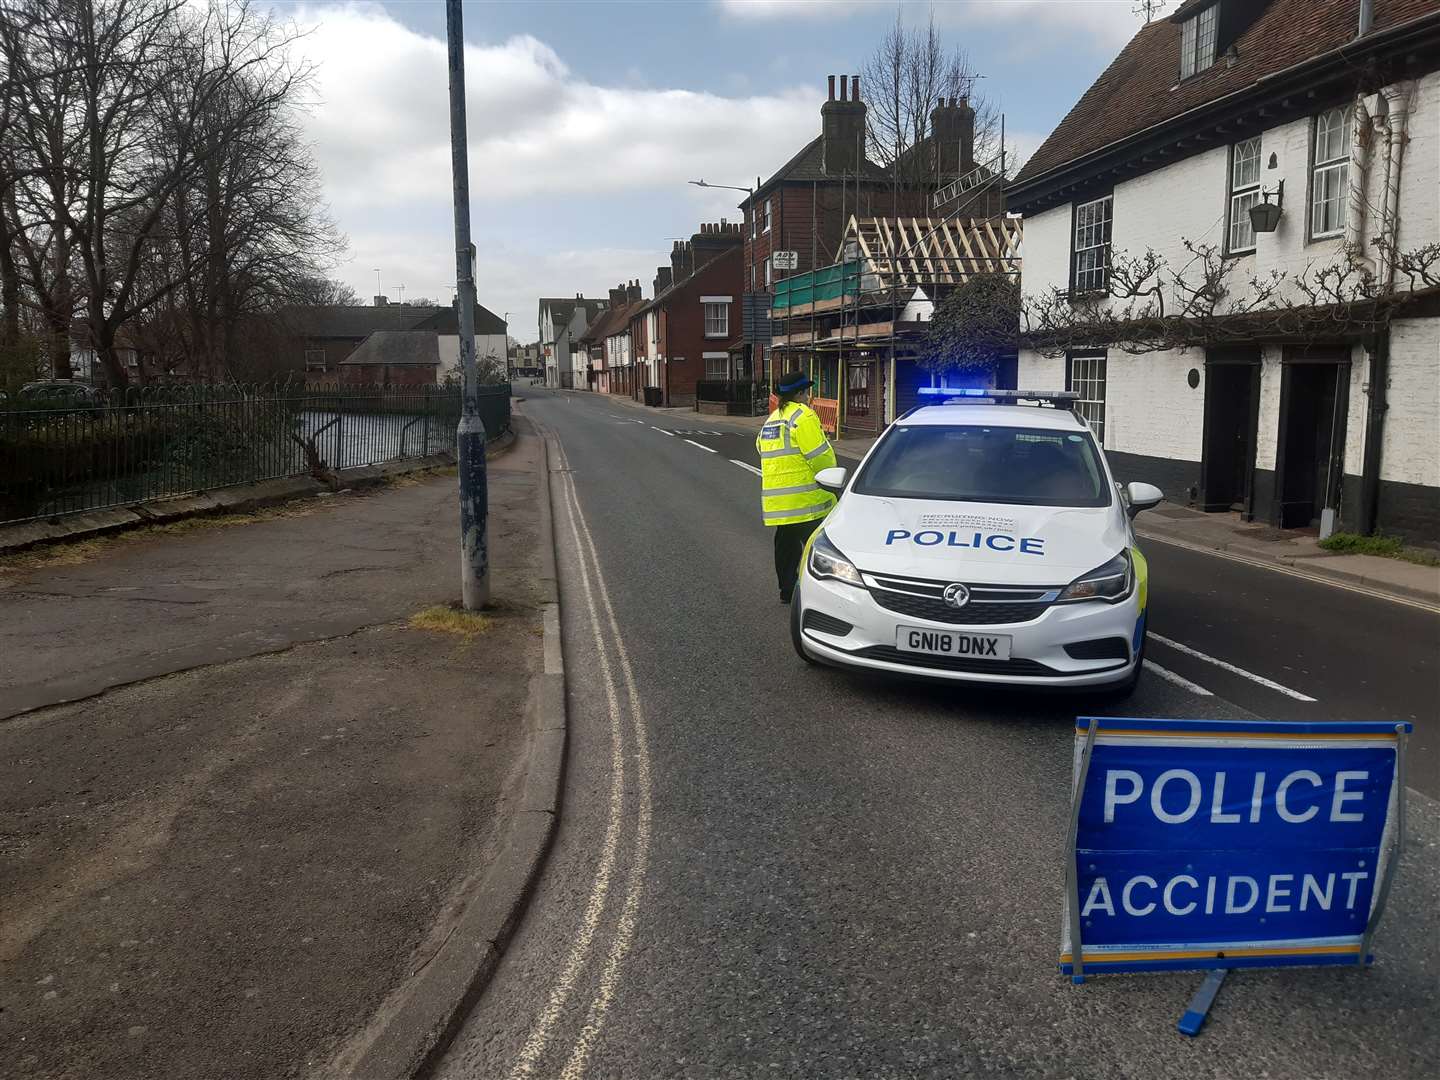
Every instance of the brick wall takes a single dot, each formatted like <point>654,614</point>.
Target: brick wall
<point>682,326</point>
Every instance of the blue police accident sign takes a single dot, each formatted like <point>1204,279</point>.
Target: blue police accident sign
<point>1217,843</point>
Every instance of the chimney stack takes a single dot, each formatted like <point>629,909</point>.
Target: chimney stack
<point>635,292</point>
<point>952,128</point>
<point>381,301</point>
<point>664,275</point>
<point>842,127</point>
<point>680,260</point>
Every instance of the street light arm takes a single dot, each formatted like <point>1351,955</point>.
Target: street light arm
<point>727,187</point>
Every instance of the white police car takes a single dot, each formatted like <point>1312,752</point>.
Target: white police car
<point>981,539</point>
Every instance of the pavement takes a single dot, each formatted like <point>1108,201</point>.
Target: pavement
<point>245,807</point>
<point>771,869</point>
<point>1296,549</point>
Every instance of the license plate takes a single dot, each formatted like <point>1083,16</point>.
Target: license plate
<point>952,643</point>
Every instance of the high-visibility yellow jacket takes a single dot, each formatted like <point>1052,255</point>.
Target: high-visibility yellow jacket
<point>793,448</point>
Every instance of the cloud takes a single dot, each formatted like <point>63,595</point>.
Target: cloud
<point>547,148</point>
<point>802,9</point>
<point>1109,23</point>
<point>534,127</point>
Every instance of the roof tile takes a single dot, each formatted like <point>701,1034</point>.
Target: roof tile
<point>1142,88</point>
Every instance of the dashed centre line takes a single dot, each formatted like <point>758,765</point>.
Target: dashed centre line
<point>746,466</point>
<point>702,446</point>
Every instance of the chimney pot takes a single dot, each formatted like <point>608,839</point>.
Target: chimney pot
<point>844,82</point>
<point>832,87</point>
<point>854,87</point>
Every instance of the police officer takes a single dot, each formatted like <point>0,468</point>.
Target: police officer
<point>793,448</point>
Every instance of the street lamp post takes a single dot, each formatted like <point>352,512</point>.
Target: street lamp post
<point>749,191</point>
<point>470,433</point>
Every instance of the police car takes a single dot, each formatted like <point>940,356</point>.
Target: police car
<point>984,539</point>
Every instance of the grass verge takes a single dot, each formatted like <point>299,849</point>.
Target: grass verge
<point>448,619</point>
<point>1388,547</point>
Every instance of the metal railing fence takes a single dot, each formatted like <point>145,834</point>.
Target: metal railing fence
<point>741,397</point>
<point>138,444</point>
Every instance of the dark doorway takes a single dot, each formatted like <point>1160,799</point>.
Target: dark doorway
<point>862,397</point>
<point>1232,396</point>
<point>1314,398</point>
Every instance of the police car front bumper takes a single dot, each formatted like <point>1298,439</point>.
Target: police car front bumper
<point>1037,645</point>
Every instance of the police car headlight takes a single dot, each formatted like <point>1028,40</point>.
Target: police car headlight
<point>827,562</point>
<point>1110,582</point>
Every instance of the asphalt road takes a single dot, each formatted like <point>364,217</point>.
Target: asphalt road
<point>768,869</point>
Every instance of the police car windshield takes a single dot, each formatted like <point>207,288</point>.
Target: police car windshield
<point>1028,466</point>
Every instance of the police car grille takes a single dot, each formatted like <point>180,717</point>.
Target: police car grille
<point>892,655</point>
<point>935,609</point>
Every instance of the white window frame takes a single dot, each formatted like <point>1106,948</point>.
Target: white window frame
<point>716,315</point>
<point>711,358</point>
<point>767,214</point>
<point>313,364</point>
<point>1197,41</point>
<point>1329,172</point>
<point>1244,193</point>
<point>1090,245</point>
<point>767,271</point>
<point>1085,374</point>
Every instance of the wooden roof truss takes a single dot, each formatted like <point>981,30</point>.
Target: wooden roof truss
<point>935,251</point>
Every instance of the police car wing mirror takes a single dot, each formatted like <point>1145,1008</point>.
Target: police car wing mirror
<point>1142,497</point>
<point>832,479</point>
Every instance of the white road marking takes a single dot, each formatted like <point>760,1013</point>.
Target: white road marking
<point>609,849</point>
<point>745,465</point>
<point>635,882</point>
<point>662,431</point>
<point>707,449</point>
<point>1170,676</point>
<point>1188,651</point>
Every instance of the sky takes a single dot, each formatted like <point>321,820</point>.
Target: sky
<point>588,117</point>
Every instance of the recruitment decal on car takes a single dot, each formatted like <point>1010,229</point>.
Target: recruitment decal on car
<point>1203,844</point>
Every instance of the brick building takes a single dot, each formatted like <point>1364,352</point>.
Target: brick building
<point>690,332</point>
<point>806,205</point>
<point>327,335</point>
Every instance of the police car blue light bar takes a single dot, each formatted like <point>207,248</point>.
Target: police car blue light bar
<point>1053,398</point>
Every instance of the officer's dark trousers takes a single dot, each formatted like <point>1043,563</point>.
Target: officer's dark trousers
<point>789,544</point>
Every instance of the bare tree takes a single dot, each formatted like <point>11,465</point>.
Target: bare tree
<point>1150,306</point>
<point>159,186</point>
<point>315,291</point>
<point>910,75</point>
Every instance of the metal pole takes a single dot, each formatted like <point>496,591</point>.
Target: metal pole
<point>1072,868</point>
<point>1377,907</point>
<point>470,434</point>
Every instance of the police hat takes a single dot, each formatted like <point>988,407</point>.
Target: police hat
<point>793,381</point>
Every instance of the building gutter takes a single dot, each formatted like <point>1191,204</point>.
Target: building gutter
<point>1338,61</point>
